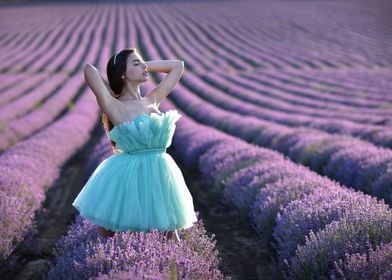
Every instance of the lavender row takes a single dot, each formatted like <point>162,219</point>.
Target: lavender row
<point>14,87</point>
<point>260,184</point>
<point>29,168</point>
<point>31,99</point>
<point>334,217</point>
<point>28,122</point>
<point>191,27</point>
<point>74,60</point>
<point>348,86</point>
<point>8,79</point>
<point>311,102</point>
<point>84,254</point>
<point>362,81</point>
<point>124,34</point>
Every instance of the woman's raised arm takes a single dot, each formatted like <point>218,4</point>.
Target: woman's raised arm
<point>174,68</point>
<point>103,93</point>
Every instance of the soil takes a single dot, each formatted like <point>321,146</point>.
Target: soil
<point>244,255</point>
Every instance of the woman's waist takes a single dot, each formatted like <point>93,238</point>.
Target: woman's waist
<point>143,151</point>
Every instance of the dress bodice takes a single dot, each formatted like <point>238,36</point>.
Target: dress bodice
<point>146,131</point>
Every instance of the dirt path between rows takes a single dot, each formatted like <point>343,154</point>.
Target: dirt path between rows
<point>243,254</point>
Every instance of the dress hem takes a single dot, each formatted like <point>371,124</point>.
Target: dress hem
<point>112,228</point>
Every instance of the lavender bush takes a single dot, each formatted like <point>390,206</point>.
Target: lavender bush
<point>29,168</point>
<point>313,213</point>
<point>83,253</point>
<point>357,234</point>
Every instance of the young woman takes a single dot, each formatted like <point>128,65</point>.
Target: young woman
<point>139,187</point>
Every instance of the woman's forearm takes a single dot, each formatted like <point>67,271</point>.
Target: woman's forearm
<point>164,65</point>
<point>92,69</point>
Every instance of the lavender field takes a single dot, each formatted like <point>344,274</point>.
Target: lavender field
<point>285,139</point>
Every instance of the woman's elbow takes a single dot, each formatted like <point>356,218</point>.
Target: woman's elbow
<point>181,64</point>
<point>90,72</point>
<point>89,67</point>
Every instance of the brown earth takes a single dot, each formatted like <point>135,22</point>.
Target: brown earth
<point>244,255</point>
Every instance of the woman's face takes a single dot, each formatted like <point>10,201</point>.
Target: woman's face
<point>136,69</point>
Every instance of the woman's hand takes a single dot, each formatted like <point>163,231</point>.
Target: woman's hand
<point>174,68</point>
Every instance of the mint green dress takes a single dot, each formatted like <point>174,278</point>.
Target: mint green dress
<point>140,187</point>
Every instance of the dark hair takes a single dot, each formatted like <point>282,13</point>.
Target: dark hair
<point>115,69</point>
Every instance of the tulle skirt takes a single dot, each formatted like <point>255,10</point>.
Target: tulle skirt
<point>137,192</point>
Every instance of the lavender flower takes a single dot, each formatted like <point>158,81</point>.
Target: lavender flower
<point>83,253</point>
<point>375,264</point>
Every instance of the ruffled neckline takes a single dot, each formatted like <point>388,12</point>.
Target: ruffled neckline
<point>141,115</point>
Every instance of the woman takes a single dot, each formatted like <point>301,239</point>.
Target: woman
<point>139,187</point>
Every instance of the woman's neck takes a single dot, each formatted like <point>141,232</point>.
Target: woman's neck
<point>131,91</point>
